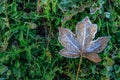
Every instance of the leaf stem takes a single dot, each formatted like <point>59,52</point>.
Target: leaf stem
<point>79,67</point>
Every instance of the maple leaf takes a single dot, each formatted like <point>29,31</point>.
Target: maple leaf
<point>82,42</point>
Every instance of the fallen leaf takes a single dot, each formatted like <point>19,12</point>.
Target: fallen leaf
<point>95,8</point>
<point>81,43</point>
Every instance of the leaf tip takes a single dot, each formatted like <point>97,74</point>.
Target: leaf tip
<point>86,20</point>
<point>59,28</point>
<point>93,57</point>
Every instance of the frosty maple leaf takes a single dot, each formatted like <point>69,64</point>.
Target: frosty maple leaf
<point>81,42</point>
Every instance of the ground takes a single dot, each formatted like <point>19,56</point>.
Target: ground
<point>29,46</point>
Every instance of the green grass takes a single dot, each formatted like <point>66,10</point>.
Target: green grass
<point>29,47</point>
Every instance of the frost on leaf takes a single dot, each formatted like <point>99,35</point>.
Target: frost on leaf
<point>82,42</point>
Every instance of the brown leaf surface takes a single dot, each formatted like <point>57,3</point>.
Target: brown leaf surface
<point>81,42</point>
